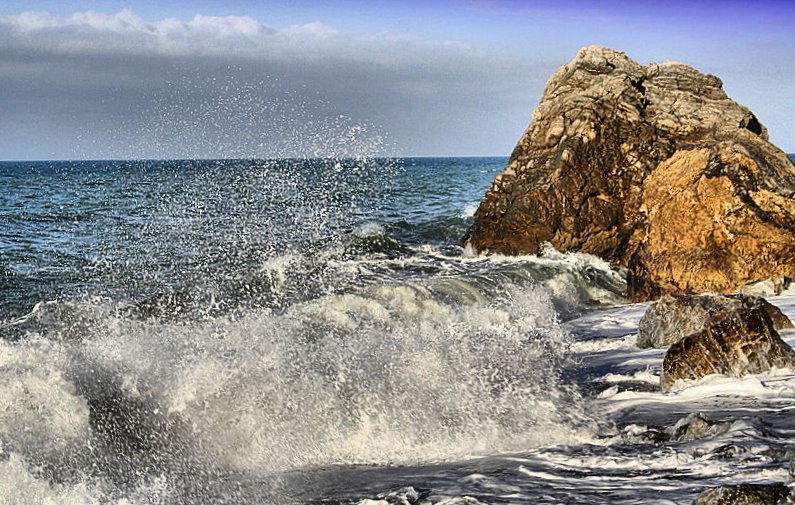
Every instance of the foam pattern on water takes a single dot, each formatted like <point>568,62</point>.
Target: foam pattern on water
<point>389,374</point>
<point>40,409</point>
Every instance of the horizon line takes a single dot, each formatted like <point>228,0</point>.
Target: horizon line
<point>283,158</point>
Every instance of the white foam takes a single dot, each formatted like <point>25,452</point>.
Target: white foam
<point>391,373</point>
<point>629,363</point>
<point>369,230</point>
<point>638,376</point>
<point>276,268</point>
<point>469,251</point>
<point>460,500</point>
<point>40,411</point>
<point>388,375</point>
<point>469,211</point>
<point>19,486</point>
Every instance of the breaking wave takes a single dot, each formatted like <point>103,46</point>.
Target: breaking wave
<point>231,333</point>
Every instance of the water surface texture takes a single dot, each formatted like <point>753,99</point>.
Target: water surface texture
<point>309,331</point>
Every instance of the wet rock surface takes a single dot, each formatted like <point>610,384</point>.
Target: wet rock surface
<point>740,342</point>
<point>672,318</point>
<point>695,427</point>
<point>744,494</point>
<point>653,168</point>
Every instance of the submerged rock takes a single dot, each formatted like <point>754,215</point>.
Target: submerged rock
<point>672,318</point>
<point>740,342</point>
<point>653,168</point>
<point>690,427</point>
<point>695,427</point>
<point>744,494</point>
<point>405,496</point>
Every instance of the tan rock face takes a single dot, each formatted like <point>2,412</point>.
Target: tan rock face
<point>711,225</point>
<point>740,342</point>
<point>653,168</point>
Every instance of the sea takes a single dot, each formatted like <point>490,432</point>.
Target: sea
<point>310,331</point>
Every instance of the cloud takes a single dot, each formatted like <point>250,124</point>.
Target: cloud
<point>125,32</point>
<point>88,84</point>
<point>93,33</point>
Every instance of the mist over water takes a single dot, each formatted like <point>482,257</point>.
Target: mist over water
<point>226,114</point>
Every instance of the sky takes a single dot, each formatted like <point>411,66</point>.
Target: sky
<point>91,79</point>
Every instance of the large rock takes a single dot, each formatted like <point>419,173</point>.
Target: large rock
<point>744,494</point>
<point>653,168</point>
<point>739,342</point>
<point>672,318</point>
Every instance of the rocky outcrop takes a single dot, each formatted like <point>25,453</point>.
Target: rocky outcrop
<point>652,168</point>
<point>739,342</point>
<point>672,318</point>
<point>744,494</point>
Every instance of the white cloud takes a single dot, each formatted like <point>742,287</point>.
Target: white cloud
<point>85,34</point>
<point>223,27</point>
<point>125,32</point>
<point>98,33</point>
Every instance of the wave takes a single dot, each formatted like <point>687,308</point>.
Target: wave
<point>249,322</point>
<point>394,369</point>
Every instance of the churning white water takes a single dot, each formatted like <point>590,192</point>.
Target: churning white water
<point>393,373</point>
<point>225,327</point>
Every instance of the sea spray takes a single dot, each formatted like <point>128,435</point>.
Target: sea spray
<point>225,326</point>
<point>421,373</point>
<point>41,412</point>
<point>232,116</point>
<point>391,374</point>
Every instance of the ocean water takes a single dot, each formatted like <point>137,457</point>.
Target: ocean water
<point>309,331</point>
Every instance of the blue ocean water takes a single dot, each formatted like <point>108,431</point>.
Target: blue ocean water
<point>133,228</point>
<point>141,227</point>
<point>200,331</point>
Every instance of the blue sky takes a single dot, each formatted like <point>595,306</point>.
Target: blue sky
<point>121,79</point>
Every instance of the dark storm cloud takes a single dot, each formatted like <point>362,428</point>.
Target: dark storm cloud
<point>96,85</point>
